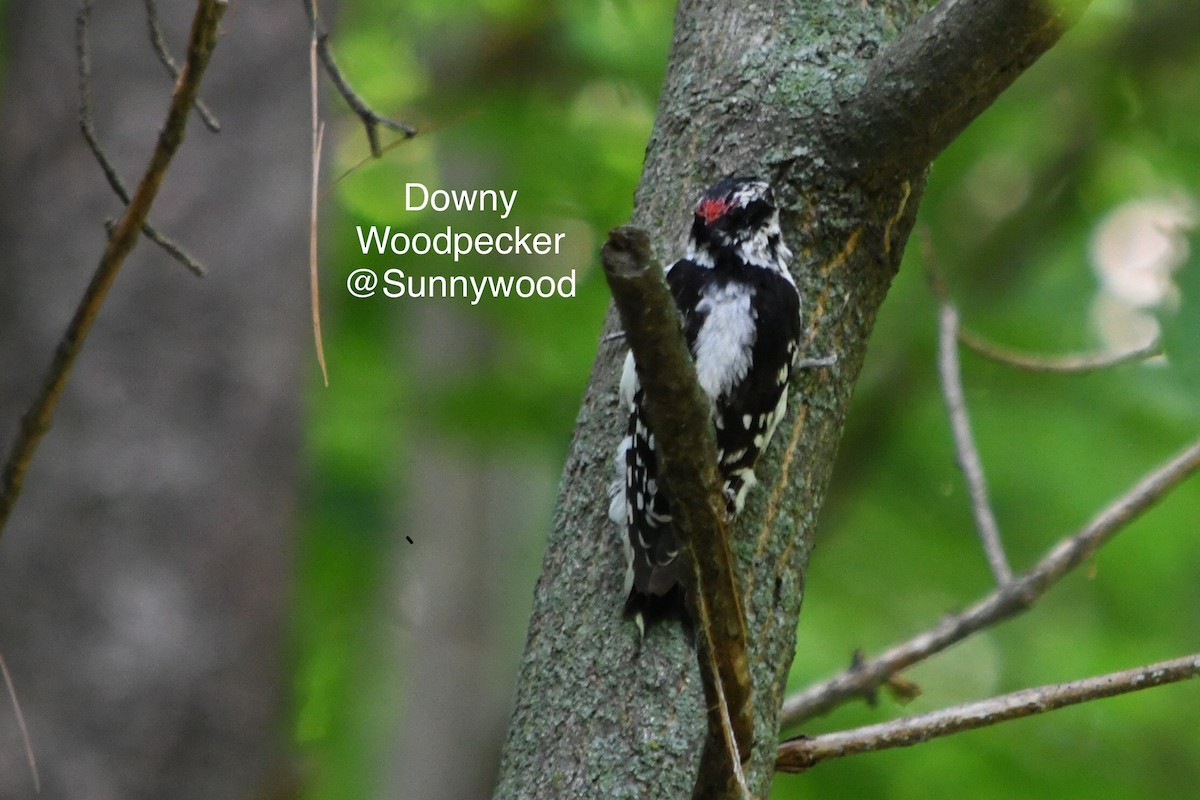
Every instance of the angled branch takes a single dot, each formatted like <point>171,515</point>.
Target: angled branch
<point>678,414</point>
<point>1006,601</point>
<point>1071,363</point>
<point>966,453</point>
<point>964,444</point>
<point>124,237</point>
<point>87,126</point>
<point>159,43</point>
<point>371,119</point>
<point>798,755</point>
<point>925,87</point>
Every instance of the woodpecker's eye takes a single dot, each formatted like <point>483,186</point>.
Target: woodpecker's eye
<point>711,209</point>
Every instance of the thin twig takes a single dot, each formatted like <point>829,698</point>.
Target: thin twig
<point>350,170</point>
<point>965,450</point>
<point>36,420</point>
<point>679,415</point>
<point>720,774</point>
<point>371,120</point>
<point>964,444</point>
<point>1004,602</point>
<point>159,43</point>
<point>1071,363</point>
<point>318,137</point>
<point>88,128</point>
<point>30,758</point>
<point>172,247</point>
<point>84,61</point>
<point>801,754</point>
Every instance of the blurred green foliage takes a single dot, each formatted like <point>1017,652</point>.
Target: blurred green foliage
<point>556,101</point>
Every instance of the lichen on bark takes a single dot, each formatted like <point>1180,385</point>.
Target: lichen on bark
<point>770,88</point>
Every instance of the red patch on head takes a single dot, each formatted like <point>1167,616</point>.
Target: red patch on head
<point>710,210</point>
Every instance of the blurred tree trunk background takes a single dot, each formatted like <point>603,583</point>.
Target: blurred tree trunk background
<point>469,513</point>
<point>144,576</point>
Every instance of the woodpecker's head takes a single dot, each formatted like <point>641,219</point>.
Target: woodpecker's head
<point>738,217</point>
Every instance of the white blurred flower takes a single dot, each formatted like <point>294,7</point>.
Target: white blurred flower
<point>1134,251</point>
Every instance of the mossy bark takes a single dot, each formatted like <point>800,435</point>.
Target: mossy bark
<point>797,92</point>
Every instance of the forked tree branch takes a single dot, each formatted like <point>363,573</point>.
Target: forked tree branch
<point>941,73</point>
<point>88,128</point>
<point>159,42</point>
<point>848,146</point>
<point>798,755</point>
<point>124,237</point>
<point>1004,602</point>
<point>371,119</point>
<point>967,454</point>
<point>677,412</point>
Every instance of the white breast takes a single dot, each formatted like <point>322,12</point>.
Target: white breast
<point>725,339</point>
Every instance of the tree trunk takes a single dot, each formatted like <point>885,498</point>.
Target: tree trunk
<point>842,104</point>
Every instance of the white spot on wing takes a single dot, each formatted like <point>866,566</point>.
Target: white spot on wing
<point>629,381</point>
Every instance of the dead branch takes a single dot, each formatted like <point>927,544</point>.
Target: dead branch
<point>88,128</point>
<point>1008,600</point>
<point>318,138</point>
<point>1071,363</point>
<point>964,444</point>
<point>371,119</point>
<point>798,755</point>
<point>679,415</point>
<point>159,42</point>
<point>36,421</point>
<point>30,757</point>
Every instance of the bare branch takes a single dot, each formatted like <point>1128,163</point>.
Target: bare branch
<point>678,413</point>
<point>318,138</point>
<point>88,127</point>
<point>371,120</point>
<point>798,755</point>
<point>1004,602</point>
<point>966,452</point>
<point>1073,363</point>
<point>941,73</point>
<point>964,444</point>
<point>159,43</point>
<point>84,63</point>
<point>172,247</point>
<point>36,420</point>
<point>30,758</point>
